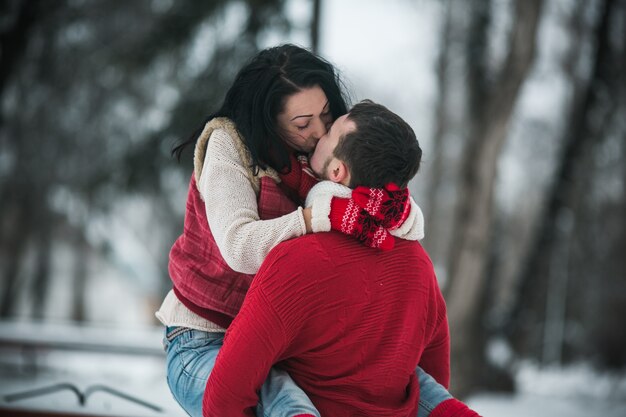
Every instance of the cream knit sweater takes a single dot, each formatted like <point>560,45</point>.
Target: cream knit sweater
<point>230,191</point>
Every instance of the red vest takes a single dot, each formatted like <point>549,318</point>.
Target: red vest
<point>202,279</point>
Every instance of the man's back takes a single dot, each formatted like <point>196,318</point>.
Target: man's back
<point>347,322</point>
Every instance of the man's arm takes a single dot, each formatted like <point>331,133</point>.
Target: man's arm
<point>252,345</point>
<point>436,356</point>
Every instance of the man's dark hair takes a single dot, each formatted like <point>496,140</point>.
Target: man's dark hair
<point>382,148</point>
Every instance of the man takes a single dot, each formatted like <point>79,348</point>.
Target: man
<point>349,323</point>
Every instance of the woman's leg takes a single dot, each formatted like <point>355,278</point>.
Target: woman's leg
<point>431,393</point>
<point>281,397</point>
<point>190,359</point>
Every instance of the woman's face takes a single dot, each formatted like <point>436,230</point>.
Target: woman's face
<point>305,119</point>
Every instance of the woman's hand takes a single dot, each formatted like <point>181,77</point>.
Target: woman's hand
<point>306,213</point>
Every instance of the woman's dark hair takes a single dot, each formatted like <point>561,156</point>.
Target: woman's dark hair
<point>258,95</point>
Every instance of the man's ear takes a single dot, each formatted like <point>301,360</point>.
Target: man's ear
<point>339,172</point>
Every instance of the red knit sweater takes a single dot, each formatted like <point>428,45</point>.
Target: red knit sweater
<point>349,323</point>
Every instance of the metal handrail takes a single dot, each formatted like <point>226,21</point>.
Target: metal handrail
<point>81,395</point>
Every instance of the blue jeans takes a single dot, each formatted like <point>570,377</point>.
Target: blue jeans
<point>431,393</point>
<point>191,357</point>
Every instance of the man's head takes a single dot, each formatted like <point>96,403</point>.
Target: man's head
<point>370,146</point>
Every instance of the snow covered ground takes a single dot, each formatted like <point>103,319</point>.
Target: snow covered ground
<point>573,391</point>
<point>132,362</point>
<point>533,405</point>
<point>72,360</point>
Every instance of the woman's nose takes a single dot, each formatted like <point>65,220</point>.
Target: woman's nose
<point>319,129</point>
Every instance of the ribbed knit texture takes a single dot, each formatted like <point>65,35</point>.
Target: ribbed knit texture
<point>348,323</point>
<point>453,408</point>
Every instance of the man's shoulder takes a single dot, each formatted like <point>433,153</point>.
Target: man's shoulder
<point>293,264</point>
<point>307,248</point>
<point>326,249</point>
<point>316,252</point>
<point>334,260</point>
<point>418,254</point>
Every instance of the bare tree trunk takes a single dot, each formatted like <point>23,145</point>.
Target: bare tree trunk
<point>315,25</point>
<point>17,218</point>
<point>13,41</point>
<point>493,106</point>
<point>15,206</point>
<point>605,80</point>
<point>41,280</point>
<point>81,254</point>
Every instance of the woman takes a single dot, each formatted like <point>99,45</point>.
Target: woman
<point>249,180</point>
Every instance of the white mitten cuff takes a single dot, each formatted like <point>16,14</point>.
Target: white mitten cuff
<point>319,199</point>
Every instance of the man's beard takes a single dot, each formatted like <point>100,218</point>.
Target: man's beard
<point>323,174</point>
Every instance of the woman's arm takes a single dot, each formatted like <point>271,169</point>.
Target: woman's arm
<point>243,238</point>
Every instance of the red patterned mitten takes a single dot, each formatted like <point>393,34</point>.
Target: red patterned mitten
<point>370,214</point>
<point>389,205</point>
<point>348,217</point>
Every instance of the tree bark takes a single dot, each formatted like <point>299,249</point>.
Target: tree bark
<point>493,107</point>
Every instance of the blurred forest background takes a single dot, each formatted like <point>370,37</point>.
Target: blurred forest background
<point>520,111</point>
